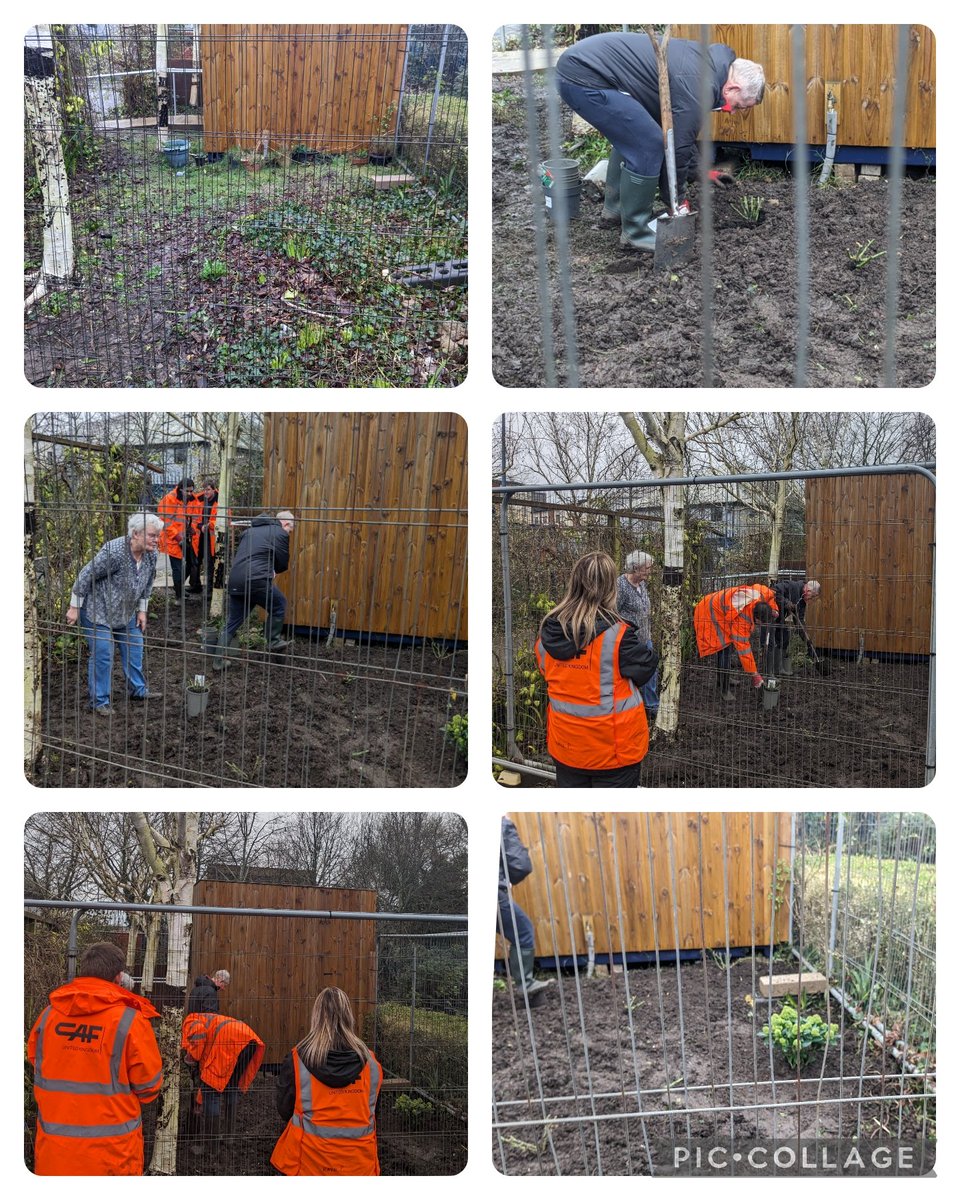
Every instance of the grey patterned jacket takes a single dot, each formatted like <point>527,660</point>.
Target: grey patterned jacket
<point>112,587</point>
<point>633,605</point>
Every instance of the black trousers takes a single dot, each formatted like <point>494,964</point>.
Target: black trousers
<point>618,777</point>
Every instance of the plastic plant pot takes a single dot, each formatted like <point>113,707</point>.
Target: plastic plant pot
<point>197,701</point>
<point>176,152</point>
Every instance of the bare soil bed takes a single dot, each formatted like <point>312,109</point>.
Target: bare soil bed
<point>640,328</point>
<point>351,715</point>
<point>693,1031</point>
<point>859,726</point>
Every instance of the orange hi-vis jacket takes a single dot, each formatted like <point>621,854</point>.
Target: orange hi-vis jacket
<point>197,525</point>
<point>333,1129</point>
<point>175,524</point>
<point>726,619</point>
<point>214,1042</point>
<point>95,1063</point>
<point>595,716</point>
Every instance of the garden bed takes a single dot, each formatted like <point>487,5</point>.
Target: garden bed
<point>863,725</point>
<point>352,715</point>
<point>694,1030</point>
<point>220,277</point>
<point>642,328</point>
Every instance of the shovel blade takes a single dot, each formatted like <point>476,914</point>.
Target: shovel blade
<point>675,240</point>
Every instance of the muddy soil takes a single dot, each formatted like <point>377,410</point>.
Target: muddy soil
<point>694,1031</point>
<point>351,715</point>
<point>642,328</point>
<point>859,726</point>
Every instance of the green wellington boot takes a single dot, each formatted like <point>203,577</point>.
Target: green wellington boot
<point>610,217</point>
<point>637,194</point>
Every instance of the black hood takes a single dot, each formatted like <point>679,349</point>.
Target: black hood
<point>341,1068</point>
<point>558,645</point>
<point>264,519</point>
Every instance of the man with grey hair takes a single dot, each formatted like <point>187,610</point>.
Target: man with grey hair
<point>263,554</point>
<point>633,605</point>
<point>205,993</point>
<point>611,80</point>
<point>110,599</point>
<point>792,596</point>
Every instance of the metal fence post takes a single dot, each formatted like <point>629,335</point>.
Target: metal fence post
<point>413,1008</point>
<point>436,93</point>
<point>835,904</point>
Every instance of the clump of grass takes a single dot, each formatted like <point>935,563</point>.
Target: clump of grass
<point>749,208</point>
<point>861,254</point>
<point>212,269</point>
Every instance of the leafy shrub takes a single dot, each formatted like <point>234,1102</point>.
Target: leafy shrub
<point>796,1038</point>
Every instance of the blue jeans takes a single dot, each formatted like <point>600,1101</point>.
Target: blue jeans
<point>623,121</point>
<point>100,640</point>
<point>648,690</point>
<point>524,930</point>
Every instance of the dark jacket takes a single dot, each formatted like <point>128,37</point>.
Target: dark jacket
<point>514,857</point>
<point>625,62</point>
<point>636,661</point>
<point>789,594</point>
<point>264,550</point>
<point>204,996</point>
<point>340,1070</point>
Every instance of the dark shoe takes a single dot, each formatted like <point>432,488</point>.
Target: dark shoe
<point>148,695</point>
<point>275,638</point>
<point>103,710</point>
<point>637,194</point>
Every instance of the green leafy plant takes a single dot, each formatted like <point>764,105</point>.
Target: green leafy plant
<point>456,730</point>
<point>779,885</point>
<point>861,255</point>
<point>212,270</point>
<point>413,1107</point>
<point>797,1038</point>
<point>749,208</point>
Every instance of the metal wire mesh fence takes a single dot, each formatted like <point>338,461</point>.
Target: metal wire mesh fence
<point>365,687</point>
<point>859,714</point>
<point>572,308</point>
<point>278,961</point>
<point>245,205</point>
<point>682,952</point>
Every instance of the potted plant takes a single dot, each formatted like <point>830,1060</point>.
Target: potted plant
<point>198,695</point>
<point>360,157</point>
<point>301,154</point>
<point>382,143</point>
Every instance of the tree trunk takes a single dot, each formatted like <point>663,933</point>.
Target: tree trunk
<point>163,118</point>
<point>151,942</point>
<point>671,610</point>
<point>32,673</point>
<point>164,1158</point>
<point>46,136</point>
<point>228,463</point>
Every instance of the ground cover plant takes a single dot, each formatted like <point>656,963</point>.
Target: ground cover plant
<point>217,275</point>
<point>640,328</point>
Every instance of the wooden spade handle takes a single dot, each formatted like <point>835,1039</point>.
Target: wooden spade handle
<point>660,51</point>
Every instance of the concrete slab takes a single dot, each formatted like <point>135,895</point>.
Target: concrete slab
<point>510,62</point>
<point>791,985</point>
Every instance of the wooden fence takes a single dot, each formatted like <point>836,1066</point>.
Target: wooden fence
<point>327,87</point>
<point>382,535</point>
<point>870,543</point>
<point>650,871</point>
<point>279,964</point>
<point>856,61</point>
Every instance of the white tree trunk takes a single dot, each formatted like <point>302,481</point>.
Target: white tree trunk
<point>228,464</point>
<point>164,1158</point>
<point>671,609</point>
<point>46,130</point>
<point>32,674</point>
<point>162,77</point>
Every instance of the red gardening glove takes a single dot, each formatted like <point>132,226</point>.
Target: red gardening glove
<point>757,679</point>
<point>683,208</point>
<point>722,179</point>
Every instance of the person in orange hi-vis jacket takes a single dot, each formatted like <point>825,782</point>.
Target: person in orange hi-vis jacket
<point>95,1064</point>
<point>175,538</point>
<point>594,664</point>
<point>723,622</point>
<point>203,535</point>
<point>327,1092</point>
<point>224,1055</point>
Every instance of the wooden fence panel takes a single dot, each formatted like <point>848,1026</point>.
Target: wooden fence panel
<point>859,58</point>
<point>279,964</point>
<point>665,874</point>
<point>382,537</point>
<point>870,543</point>
<point>325,86</point>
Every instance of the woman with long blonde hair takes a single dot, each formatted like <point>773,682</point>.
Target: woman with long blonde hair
<point>327,1093</point>
<point>594,664</point>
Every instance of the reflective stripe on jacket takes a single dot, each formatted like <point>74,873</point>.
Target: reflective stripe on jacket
<point>95,1063</point>
<point>333,1129</point>
<point>215,1042</point>
<point>726,619</point>
<point>174,514</point>
<point>595,715</point>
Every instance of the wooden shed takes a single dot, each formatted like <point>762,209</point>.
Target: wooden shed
<point>651,869</point>
<point>854,62</point>
<point>381,503</point>
<point>326,87</point>
<point>279,964</point>
<point>870,543</point>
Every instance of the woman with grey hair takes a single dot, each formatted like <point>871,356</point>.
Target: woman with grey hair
<point>110,599</point>
<point>633,604</point>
